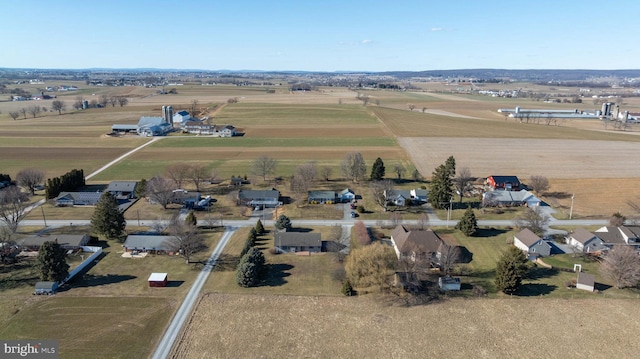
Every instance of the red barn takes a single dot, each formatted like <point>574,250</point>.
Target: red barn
<point>158,280</point>
<point>507,183</point>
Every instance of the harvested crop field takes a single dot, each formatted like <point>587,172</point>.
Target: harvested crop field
<point>526,157</point>
<point>234,326</point>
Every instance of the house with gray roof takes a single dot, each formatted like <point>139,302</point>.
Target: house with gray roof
<point>66,241</point>
<point>267,198</point>
<point>70,199</point>
<point>529,242</point>
<point>347,195</point>
<point>123,189</point>
<point>415,245</point>
<point>621,235</point>
<point>322,197</point>
<point>149,243</point>
<point>510,199</point>
<point>292,242</point>
<point>585,241</point>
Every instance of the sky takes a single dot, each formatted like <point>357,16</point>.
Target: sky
<point>332,35</point>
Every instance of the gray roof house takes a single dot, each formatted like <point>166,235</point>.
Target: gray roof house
<point>586,281</point>
<point>122,189</point>
<point>532,244</point>
<point>347,195</point>
<point>66,241</point>
<point>416,244</point>
<point>148,243</point>
<point>267,198</point>
<point>420,195</point>
<point>67,199</point>
<point>510,198</point>
<point>622,235</point>
<point>585,241</point>
<point>292,242</point>
<point>322,197</point>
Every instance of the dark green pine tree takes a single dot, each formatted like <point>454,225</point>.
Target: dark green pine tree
<point>259,227</point>
<point>377,171</point>
<point>51,262</point>
<point>511,269</point>
<point>141,188</point>
<point>468,224</point>
<point>441,188</point>
<point>247,274</point>
<point>283,223</point>
<point>107,218</point>
<point>191,219</point>
<point>450,164</point>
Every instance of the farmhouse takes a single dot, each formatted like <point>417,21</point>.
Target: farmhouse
<point>200,128</point>
<point>181,117</point>
<point>267,198</point>
<point>185,198</point>
<point>415,245</point>
<point>507,183</point>
<point>398,198</point>
<point>158,280</point>
<point>322,197</point>
<point>122,189</point>
<point>510,199</point>
<point>347,195</point>
<point>66,241</point>
<point>293,242</point>
<point>69,199</point>
<point>532,244</point>
<point>585,241</point>
<point>149,243</point>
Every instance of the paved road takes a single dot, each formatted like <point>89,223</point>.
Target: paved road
<point>168,339</point>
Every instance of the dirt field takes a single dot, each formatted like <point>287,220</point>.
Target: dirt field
<point>234,326</point>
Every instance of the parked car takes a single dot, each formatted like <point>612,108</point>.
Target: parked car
<point>354,215</point>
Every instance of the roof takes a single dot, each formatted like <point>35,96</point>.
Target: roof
<point>294,239</point>
<point>586,279</point>
<point>124,127</point>
<point>426,241</point>
<point>92,197</point>
<point>148,242</point>
<point>182,113</point>
<point>611,235</point>
<point>46,285</point>
<point>122,186</point>
<point>511,196</point>
<point>527,237</point>
<point>158,277</point>
<point>419,192</point>
<point>505,179</point>
<point>258,194</point>
<point>147,121</point>
<point>400,192</point>
<point>582,235</point>
<point>346,191</point>
<point>64,240</point>
<point>322,194</point>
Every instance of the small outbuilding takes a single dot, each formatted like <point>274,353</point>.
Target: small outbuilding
<point>46,288</point>
<point>449,283</point>
<point>586,281</point>
<point>158,280</point>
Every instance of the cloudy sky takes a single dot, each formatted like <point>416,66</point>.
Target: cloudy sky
<point>327,35</point>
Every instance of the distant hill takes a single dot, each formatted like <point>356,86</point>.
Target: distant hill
<point>520,75</point>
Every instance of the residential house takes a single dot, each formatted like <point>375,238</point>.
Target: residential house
<point>347,195</point>
<point>506,183</point>
<point>586,281</point>
<point>510,199</point>
<point>185,198</point>
<point>585,241</point>
<point>419,195</point>
<point>622,235</point>
<point>200,128</point>
<point>322,197</point>
<point>398,197</point>
<point>149,243</point>
<point>292,242</point>
<point>123,189</point>
<point>181,117</point>
<point>532,244</point>
<point>267,198</point>
<point>416,245</point>
<point>69,199</point>
<point>66,241</point>
<point>225,131</point>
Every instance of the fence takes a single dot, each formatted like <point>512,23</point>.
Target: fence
<point>96,251</point>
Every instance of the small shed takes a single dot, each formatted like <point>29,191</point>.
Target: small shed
<point>586,281</point>
<point>47,288</point>
<point>449,283</point>
<point>158,280</point>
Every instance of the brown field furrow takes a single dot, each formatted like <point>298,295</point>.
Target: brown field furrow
<point>334,327</point>
<point>251,153</point>
<point>314,131</point>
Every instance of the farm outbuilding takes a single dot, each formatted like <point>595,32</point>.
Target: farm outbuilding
<point>46,288</point>
<point>586,281</point>
<point>158,280</point>
<point>449,283</point>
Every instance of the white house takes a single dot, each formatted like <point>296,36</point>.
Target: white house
<point>585,241</point>
<point>181,117</point>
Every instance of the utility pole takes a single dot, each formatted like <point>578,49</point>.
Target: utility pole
<point>571,209</point>
<point>43,217</point>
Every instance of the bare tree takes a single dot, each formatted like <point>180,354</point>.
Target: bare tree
<point>93,103</point>
<point>13,203</point>
<point>353,166</point>
<point>123,101</point>
<point>399,170</point>
<point>617,219</point>
<point>416,175</point>
<point>14,115</point>
<point>194,107</point>
<point>77,104</point>
<point>29,178</point>
<point>538,184</point>
<point>58,105</point>
<point>113,100</point>
<point>462,182</point>
<point>307,172</point>
<point>325,172</point>
<point>622,265</point>
<point>300,187</point>
<point>447,257</point>
<point>424,109</point>
<point>103,100</point>
<point>186,240</point>
<point>534,219</point>
<point>160,190</point>
<point>381,191</point>
<point>411,106</point>
<point>34,110</point>
<point>198,173</point>
<point>23,111</point>
<point>264,166</point>
<point>395,219</point>
<point>178,172</point>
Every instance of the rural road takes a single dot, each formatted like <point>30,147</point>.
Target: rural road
<point>166,343</point>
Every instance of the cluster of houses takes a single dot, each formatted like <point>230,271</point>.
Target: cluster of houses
<point>161,125</point>
<point>507,191</point>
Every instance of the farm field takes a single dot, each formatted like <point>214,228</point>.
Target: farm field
<point>312,326</point>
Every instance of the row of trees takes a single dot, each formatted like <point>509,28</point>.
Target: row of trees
<point>69,181</point>
<point>102,101</point>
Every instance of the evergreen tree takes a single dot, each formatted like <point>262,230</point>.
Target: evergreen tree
<point>141,188</point>
<point>191,219</point>
<point>255,256</point>
<point>51,262</point>
<point>247,274</point>
<point>259,227</point>
<point>347,289</point>
<point>107,218</point>
<point>253,234</point>
<point>450,164</point>
<point>441,188</point>
<point>377,171</point>
<point>468,223</point>
<point>283,223</point>
<point>511,269</point>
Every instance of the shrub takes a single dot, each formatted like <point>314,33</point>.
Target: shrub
<point>360,209</point>
<point>347,289</point>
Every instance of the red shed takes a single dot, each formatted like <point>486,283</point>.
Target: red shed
<point>508,183</point>
<point>158,280</point>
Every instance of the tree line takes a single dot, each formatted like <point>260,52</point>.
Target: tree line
<point>69,181</point>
